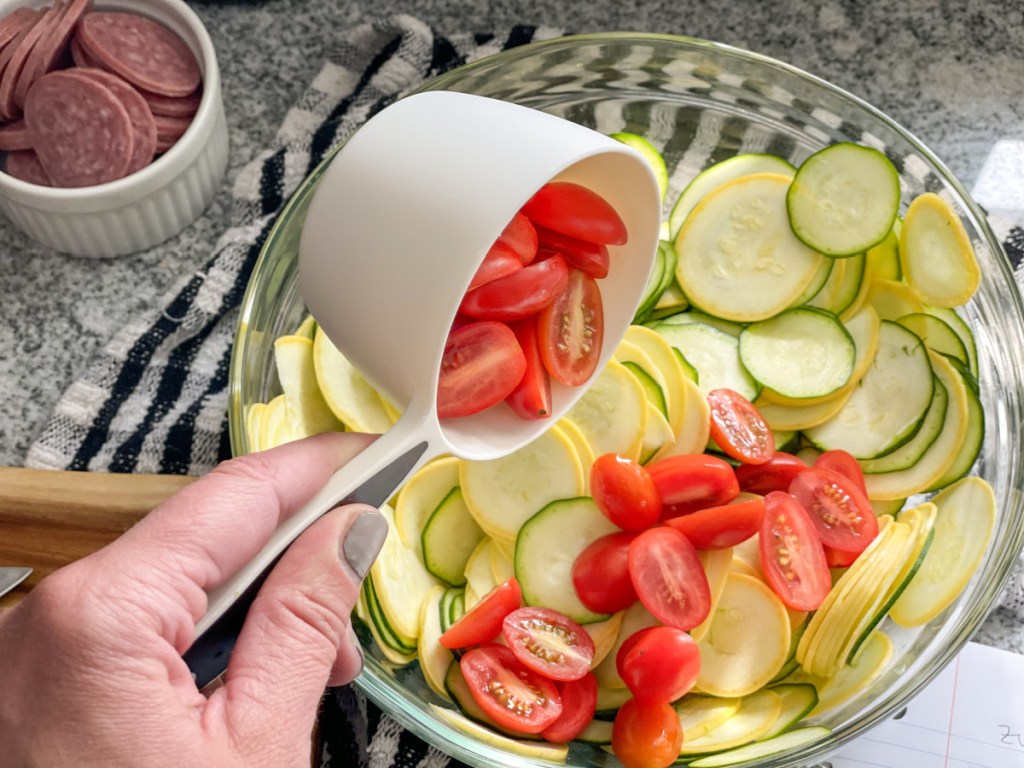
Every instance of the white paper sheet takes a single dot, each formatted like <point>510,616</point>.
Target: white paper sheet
<point>971,716</point>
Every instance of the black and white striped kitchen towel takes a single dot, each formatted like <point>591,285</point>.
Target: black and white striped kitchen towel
<point>155,398</point>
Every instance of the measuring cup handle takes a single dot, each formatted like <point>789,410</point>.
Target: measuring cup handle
<point>371,477</point>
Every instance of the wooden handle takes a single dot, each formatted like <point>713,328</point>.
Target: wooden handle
<point>50,518</point>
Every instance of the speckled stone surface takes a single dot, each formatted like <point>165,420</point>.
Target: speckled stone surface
<point>950,72</point>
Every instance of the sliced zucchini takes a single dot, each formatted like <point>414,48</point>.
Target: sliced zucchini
<point>348,395</point>
<point>308,403</point>
<point>546,548</point>
<point>748,640</point>
<point>480,578</point>
<point>961,329</point>
<point>911,451</point>
<point>941,454</point>
<point>755,717</point>
<point>650,154</point>
<point>844,199</point>
<point>767,748</point>
<point>936,335</point>
<point>694,316</point>
<point>970,447</point>
<point>799,353</point>
<point>964,520</point>
<point>542,750</point>
<point>658,437</point>
<point>449,538</point>
<point>275,428</point>
<point>884,258</point>
<point>797,417</point>
<point>400,581</point>
<point>653,288</point>
<point>714,354</point>
<point>887,407</point>
<point>700,714</point>
<point>936,255</point>
<point>433,657</point>
<point>718,174</point>
<point>653,391</point>
<point>504,493</point>
<point>611,414</point>
<point>421,495</point>
<point>604,634</point>
<point>307,327</point>
<point>892,299</point>
<point>739,259</point>
<point>610,699</point>
<point>821,278</point>
<point>716,564</point>
<point>843,285</point>
<point>634,618</point>
<point>798,699</point>
<point>583,450</point>
<point>854,678</point>
<point>598,732</point>
<point>668,364</point>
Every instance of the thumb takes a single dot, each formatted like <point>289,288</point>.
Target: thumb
<point>298,628</point>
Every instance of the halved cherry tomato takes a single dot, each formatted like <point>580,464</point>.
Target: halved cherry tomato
<point>840,512</point>
<point>514,696</point>
<point>531,398</point>
<point>659,664</point>
<point>792,557</point>
<point>844,463</point>
<point>520,294</point>
<point>600,574</point>
<point>836,558</point>
<point>571,331</point>
<point>548,642</point>
<point>482,623</point>
<point>481,365</point>
<point>576,211</point>
<point>668,577</point>
<point>646,735</point>
<point>579,702</point>
<point>774,475</point>
<point>723,526</point>
<point>693,481</point>
<point>591,258</point>
<point>500,261</point>
<point>521,237</point>
<point>739,428</point>
<point>625,492</point>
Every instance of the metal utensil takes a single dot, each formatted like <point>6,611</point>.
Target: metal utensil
<point>11,577</point>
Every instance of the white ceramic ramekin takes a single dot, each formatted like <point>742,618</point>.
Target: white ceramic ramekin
<point>153,204</point>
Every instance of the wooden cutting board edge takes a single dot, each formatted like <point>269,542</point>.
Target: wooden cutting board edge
<point>49,518</point>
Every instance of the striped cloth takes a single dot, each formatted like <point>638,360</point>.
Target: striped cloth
<point>155,398</point>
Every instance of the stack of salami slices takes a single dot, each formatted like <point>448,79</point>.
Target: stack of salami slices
<point>87,97</point>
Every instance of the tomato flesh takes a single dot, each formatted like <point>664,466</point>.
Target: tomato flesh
<point>483,622</point>
<point>659,664</point>
<point>690,482</point>
<point>520,237</point>
<point>723,526</point>
<point>738,427</point>
<point>792,556</point>
<point>548,642</point>
<point>500,261</point>
<point>482,363</point>
<point>600,574</point>
<point>579,702</point>
<point>577,211</point>
<point>524,292</point>
<point>773,475</point>
<point>669,578</point>
<point>571,331</point>
<point>844,463</point>
<point>839,510</point>
<point>591,258</point>
<point>625,492</point>
<point>531,397</point>
<point>514,696</point>
<point>646,735</point>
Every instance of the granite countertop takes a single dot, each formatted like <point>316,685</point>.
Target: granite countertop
<point>951,71</point>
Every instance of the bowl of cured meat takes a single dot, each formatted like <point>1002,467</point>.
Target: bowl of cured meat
<point>112,129</point>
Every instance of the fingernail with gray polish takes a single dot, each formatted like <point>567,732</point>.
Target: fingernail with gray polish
<point>363,541</point>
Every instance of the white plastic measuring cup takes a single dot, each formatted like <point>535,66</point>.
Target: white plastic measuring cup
<point>400,222</point>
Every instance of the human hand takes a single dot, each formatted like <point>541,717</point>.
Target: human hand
<point>93,674</point>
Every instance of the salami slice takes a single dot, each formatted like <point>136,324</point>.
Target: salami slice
<point>143,125</point>
<point>14,22</point>
<point>80,130</point>
<point>142,51</point>
<point>171,106</point>
<point>169,130</point>
<point>9,79</point>
<point>25,165</point>
<point>14,136</point>
<point>79,56</point>
<point>7,52</point>
<point>50,47</point>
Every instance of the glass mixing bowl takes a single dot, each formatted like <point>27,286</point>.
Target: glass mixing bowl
<point>699,103</point>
